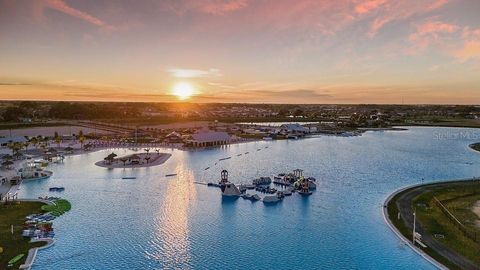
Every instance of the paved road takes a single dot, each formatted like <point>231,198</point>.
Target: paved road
<point>404,204</point>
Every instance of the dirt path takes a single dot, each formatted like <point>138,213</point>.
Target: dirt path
<point>476,210</point>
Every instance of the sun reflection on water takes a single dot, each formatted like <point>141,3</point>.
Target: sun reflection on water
<point>171,246</point>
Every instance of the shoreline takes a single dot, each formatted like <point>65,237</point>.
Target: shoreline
<point>400,235</point>
<point>396,231</point>
<point>32,253</point>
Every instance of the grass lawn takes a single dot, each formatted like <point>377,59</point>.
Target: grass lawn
<point>458,200</point>
<point>14,214</point>
<point>59,208</point>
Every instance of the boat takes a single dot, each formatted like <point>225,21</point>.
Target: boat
<point>207,168</point>
<point>41,162</point>
<point>56,189</point>
<point>31,171</point>
<point>246,153</point>
<point>171,174</point>
<point>224,158</point>
<point>239,155</point>
<point>267,138</point>
<point>129,177</point>
<point>15,259</point>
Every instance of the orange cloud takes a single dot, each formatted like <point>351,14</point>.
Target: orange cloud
<point>471,45</point>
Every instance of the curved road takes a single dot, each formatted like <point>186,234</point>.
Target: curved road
<point>404,205</point>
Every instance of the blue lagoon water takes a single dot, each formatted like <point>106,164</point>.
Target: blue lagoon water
<point>155,222</point>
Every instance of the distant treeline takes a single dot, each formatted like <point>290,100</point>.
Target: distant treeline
<point>26,111</point>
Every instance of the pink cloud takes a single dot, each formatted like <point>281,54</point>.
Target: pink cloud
<point>367,6</point>
<point>60,5</point>
<point>429,32</point>
<point>391,11</point>
<point>212,7</point>
<point>220,7</point>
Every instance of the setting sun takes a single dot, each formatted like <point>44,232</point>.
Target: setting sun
<point>183,90</point>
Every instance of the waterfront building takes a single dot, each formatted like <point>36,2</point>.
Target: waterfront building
<point>210,138</point>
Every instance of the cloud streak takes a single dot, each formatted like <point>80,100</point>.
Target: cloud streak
<point>194,73</point>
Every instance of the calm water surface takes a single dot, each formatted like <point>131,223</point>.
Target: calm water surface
<point>154,222</point>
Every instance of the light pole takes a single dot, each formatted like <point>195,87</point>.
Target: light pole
<point>414,217</point>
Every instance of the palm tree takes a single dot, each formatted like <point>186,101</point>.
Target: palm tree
<point>110,158</point>
<point>34,141</point>
<point>58,141</point>
<point>81,139</point>
<point>11,146</point>
<point>26,144</point>
<point>7,164</point>
<point>15,146</point>
<point>147,158</point>
<point>147,150</point>
<point>124,160</point>
<point>158,151</point>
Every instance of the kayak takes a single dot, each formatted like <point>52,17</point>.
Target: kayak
<point>15,259</point>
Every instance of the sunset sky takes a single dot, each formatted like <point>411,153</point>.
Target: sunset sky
<point>262,51</point>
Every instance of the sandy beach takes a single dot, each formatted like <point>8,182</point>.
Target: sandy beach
<point>476,210</point>
<point>140,158</point>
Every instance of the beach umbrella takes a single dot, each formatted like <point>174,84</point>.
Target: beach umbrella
<point>7,163</point>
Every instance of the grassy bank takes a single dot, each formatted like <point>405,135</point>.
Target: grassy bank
<point>458,201</point>
<point>14,244</point>
<point>458,198</point>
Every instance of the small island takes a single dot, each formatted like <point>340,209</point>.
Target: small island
<point>475,146</point>
<point>138,160</point>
